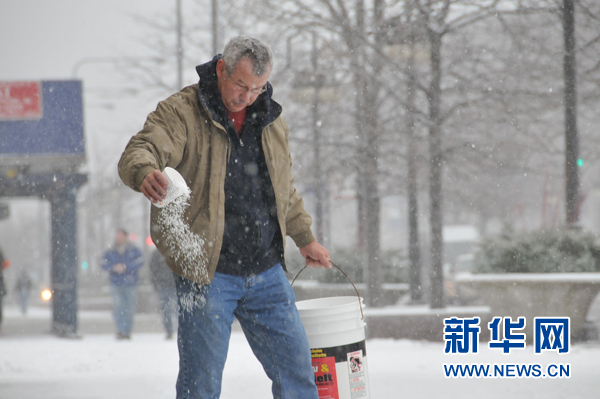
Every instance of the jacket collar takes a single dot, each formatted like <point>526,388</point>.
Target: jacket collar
<point>264,110</point>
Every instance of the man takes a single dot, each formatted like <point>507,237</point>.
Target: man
<point>123,262</point>
<point>226,137</point>
<point>164,285</point>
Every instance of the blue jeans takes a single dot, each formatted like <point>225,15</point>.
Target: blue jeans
<point>168,304</point>
<point>265,307</point>
<point>124,302</point>
<point>23,300</point>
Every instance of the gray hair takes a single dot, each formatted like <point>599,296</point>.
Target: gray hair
<point>256,51</point>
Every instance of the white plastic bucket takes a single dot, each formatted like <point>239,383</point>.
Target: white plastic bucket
<point>336,334</point>
<point>177,186</point>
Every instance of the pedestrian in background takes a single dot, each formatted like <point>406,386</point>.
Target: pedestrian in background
<point>4,263</point>
<point>23,290</point>
<point>122,262</point>
<point>163,282</point>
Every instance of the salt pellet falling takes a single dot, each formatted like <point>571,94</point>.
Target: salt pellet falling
<point>187,247</point>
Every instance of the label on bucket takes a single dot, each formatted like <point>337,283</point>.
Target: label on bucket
<point>356,371</point>
<point>340,371</point>
<point>325,377</point>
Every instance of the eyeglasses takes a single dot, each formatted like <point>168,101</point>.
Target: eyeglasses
<point>243,89</point>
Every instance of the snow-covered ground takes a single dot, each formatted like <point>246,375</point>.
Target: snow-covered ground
<point>98,366</point>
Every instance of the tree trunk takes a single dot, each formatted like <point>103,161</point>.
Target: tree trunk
<point>435,173</point>
<point>318,180</point>
<point>414,250</point>
<point>359,78</point>
<point>372,214</point>
<point>368,152</point>
<point>372,200</point>
<point>571,136</point>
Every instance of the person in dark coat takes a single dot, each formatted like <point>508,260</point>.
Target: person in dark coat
<point>164,284</point>
<point>4,263</point>
<point>122,262</point>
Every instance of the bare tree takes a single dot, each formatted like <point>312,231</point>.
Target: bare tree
<point>484,98</point>
<point>438,21</point>
<point>351,25</point>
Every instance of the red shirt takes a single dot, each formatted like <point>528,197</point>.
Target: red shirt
<point>237,118</point>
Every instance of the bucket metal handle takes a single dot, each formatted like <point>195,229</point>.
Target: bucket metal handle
<point>355,289</point>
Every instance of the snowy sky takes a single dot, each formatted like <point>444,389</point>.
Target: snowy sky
<point>41,39</point>
<point>45,40</point>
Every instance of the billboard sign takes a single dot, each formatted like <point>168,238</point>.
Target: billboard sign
<point>42,123</point>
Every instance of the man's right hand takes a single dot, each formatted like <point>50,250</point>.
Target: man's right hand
<point>155,186</point>
<point>119,268</point>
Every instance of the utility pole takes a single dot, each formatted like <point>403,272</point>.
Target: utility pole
<point>571,136</point>
<point>179,46</point>
<point>215,27</point>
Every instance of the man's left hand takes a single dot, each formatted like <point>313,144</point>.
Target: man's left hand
<point>316,255</point>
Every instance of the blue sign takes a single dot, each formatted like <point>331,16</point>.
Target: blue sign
<point>56,131</point>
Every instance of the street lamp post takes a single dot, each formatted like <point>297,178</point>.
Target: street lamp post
<point>111,60</point>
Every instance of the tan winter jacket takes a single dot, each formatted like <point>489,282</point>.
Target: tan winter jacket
<point>181,134</point>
